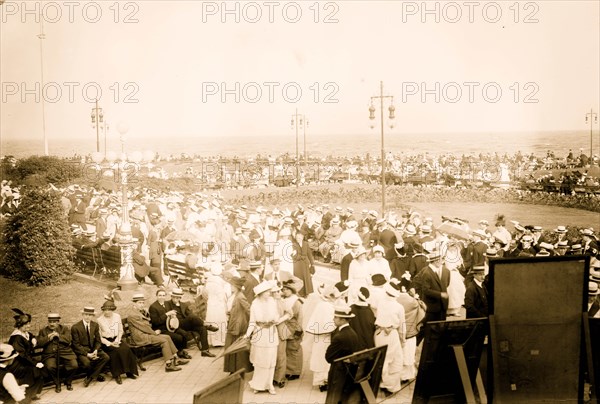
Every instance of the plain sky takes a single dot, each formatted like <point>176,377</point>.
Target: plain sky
<point>177,58</point>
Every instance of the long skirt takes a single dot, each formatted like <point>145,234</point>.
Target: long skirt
<point>122,359</point>
<point>318,365</point>
<point>393,362</point>
<point>280,367</point>
<point>264,359</point>
<point>294,357</point>
<point>302,271</point>
<point>409,352</point>
<point>236,361</point>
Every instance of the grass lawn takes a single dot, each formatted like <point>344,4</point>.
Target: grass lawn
<point>67,300</point>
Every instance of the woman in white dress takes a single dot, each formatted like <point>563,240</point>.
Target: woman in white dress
<point>283,250</point>
<point>456,290</point>
<point>264,339</point>
<point>216,292</point>
<point>358,274</point>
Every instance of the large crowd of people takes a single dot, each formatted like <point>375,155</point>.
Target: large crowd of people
<point>252,271</point>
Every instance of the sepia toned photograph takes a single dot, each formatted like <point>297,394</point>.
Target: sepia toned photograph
<point>316,201</point>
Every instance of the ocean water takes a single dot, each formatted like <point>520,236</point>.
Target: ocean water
<point>560,142</point>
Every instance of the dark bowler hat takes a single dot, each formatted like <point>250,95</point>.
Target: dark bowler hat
<point>378,280</point>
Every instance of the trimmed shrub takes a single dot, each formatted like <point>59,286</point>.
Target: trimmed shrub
<point>36,241</point>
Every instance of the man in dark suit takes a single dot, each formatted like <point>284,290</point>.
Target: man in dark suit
<point>158,317</point>
<point>435,279</point>
<point>346,260</point>
<point>85,336</point>
<point>344,342</point>
<point>253,278</point>
<point>387,239</point>
<point>476,300</point>
<point>55,338</point>
<point>190,322</point>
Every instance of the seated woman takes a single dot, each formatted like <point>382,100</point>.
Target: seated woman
<point>25,368</point>
<point>122,358</point>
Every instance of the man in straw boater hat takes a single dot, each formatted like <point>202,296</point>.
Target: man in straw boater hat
<point>143,334</point>
<point>85,337</point>
<point>55,339</point>
<point>476,298</point>
<point>344,342</point>
<point>10,391</point>
<point>166,321</point>
<point>434,282</point>
<point>190,322</point>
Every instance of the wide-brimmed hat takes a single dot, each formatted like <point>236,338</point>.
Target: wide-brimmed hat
<point>21,318</point>
<point>342,286</point>
<point>343,311</point>
<point>390,290</point>
<point>587,232</point>
<point>88,310</point>
<point>7,352</point>
<point>294,284</point>
<point>262,287</point>
<point>363,294</point>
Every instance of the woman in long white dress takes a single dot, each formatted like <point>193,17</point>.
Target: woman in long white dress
<point>216,292</point>
<point>456,290</point>
<point>359,274</point>
<point>283,250</point>
<point>264,339</point>
<point>319,310</point>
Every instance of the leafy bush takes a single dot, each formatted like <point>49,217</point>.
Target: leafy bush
<point>36,241</point>
<point>41,170</point>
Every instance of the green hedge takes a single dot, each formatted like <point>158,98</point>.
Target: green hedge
<point>36,241</point>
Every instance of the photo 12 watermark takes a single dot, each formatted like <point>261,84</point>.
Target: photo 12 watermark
<point>69,92</point>
<point>53,12</point>
<point>270,92</point>
<point>252,12</point>
<point>453,12</point>
<point>471,92</point>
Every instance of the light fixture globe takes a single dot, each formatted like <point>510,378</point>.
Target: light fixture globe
<point>122,128</point>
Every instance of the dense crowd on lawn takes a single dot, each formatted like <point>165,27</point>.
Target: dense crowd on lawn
<point>252,271</point>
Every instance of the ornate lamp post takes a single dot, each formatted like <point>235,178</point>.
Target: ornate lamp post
<point>126,242</point>
<point>392,110</point>
<point>99,123</point>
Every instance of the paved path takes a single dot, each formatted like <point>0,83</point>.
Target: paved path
<point>156,386</point>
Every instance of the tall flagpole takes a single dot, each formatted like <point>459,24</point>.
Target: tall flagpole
<point>42,36</point>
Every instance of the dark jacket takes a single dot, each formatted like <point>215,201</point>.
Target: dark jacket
<point>343,343</point>
<point>476,301</point>
<point>79,338</point>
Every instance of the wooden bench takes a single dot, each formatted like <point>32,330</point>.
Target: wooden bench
<point>48,380</point>
<point>179,273</point>
<point>143,353</point>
